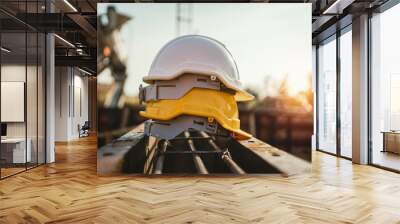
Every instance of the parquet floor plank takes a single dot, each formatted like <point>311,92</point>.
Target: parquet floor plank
<point>69,191</point>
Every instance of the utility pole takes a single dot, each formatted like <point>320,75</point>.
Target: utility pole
<point>184,15</point>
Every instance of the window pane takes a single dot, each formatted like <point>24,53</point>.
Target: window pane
<point>346,94</point>
<point>22,88</point>
<point>31,97</point>
<point>327,97</point>
<point>386,89</point>
<point>14,153</point>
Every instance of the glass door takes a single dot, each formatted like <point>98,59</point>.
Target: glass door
<point>346,93</point>
<point>385,89</point>
<point>14,153</point>
<point>327,96</point>
<point>22,77</point>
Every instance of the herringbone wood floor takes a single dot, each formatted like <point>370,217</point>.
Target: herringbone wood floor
<point>69,191</point>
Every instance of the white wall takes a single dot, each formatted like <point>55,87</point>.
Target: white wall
<point>61,103</point>
<point>16,73</point>
<point>10,73</point>
<point>71,102</point>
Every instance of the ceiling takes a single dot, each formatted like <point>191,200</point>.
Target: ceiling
<point>75,21</point>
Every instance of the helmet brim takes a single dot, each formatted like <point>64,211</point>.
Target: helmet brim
<point>240,96</point>
<point>237,134</point>
<point>241,135</point>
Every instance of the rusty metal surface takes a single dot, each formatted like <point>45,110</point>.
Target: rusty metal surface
<point>283,161</point>
<point>134,153</point>
<point>110,157</point>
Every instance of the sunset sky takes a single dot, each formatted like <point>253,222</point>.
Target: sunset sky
<point>268,41</point>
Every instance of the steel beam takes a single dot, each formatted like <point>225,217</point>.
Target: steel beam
<point>337,6</point>
<point>84,24</point>
<point>201,168</point>
<point>160,159</point>
<point>82,61</point>
<point>49,22</point>
<point>232,164</point>
<point>225,156</point>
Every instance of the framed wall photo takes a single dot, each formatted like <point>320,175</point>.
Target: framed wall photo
<point>207,99</point>
<point>12,101</point>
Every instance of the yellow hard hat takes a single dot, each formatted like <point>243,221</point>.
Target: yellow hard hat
<point>212,104</point>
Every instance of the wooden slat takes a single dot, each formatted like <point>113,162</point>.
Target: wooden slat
<point>70,191</point>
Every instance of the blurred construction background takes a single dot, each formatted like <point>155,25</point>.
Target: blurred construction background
<point>281,116</point>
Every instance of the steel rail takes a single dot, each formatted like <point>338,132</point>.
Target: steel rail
<point>191,152</point>
<point>201,168</point>
<point>150,152</point>
<point>183,138</point>
<point>160,160</point>
<point>226,157</point>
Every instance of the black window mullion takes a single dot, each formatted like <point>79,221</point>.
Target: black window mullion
<point>45,94</point>
<point>46,3</point>
<point>338,98</point>
<point>0,97</point>
<point>317,96</point>
<point>369,96</point>
<point>73,92</point>
<point>26,86</point>
<point>37,89</point>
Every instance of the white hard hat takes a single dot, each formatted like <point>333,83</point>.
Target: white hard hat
<point>197,55</point>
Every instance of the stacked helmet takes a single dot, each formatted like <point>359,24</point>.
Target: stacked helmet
<point>195,54</point>
<point>193,80</point>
